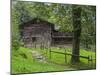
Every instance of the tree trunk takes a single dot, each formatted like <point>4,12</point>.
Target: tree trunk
<point>76,15</point>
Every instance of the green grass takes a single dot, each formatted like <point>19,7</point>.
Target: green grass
<point>23,62</point>
<point>59,58</point>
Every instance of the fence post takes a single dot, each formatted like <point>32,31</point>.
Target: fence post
<point>91,61</point>
<point>65,57</point>
<point>50,53</point>
<point>88,60</point>
<point>47,50</point>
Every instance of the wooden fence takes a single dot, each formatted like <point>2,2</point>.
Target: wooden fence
<point>89,58</point>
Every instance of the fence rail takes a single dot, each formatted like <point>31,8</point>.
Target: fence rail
<point>89,58</point>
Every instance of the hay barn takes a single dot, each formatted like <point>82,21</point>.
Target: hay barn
<point>40,33</point>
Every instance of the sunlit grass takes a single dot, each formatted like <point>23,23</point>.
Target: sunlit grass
<point>60,58</point>
<point>23,62</point>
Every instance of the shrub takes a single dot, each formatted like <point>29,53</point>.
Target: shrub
<point>15,43</point>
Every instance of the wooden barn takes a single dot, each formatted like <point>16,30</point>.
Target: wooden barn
<point>40,33</point>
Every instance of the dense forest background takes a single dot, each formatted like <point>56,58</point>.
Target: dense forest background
<point>58,14</point>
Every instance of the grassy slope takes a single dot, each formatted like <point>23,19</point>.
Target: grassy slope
<point>23,62</point>
<point>59,58</point>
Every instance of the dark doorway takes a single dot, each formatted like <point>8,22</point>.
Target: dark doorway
<point>33,39</point>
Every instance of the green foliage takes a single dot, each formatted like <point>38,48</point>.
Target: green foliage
<point>88,33</point>
<point>15,22</point>
<point>15,43</point>
<point>59,14</point>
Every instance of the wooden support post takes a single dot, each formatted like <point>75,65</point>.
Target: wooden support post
<point>88,60</point>
<point>35,45</point>
<point>50,53</point>
<point>65,57</point>
<point>47,50</point>
<point>91,61</point>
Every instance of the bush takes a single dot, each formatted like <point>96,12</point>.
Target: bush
<point>15,43</point>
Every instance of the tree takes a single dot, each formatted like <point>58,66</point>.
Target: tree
<point>76,15</point>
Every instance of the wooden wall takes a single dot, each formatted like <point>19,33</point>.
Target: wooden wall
<point>37,35</point>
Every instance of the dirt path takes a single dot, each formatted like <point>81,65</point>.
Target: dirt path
<point>39,56</point>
